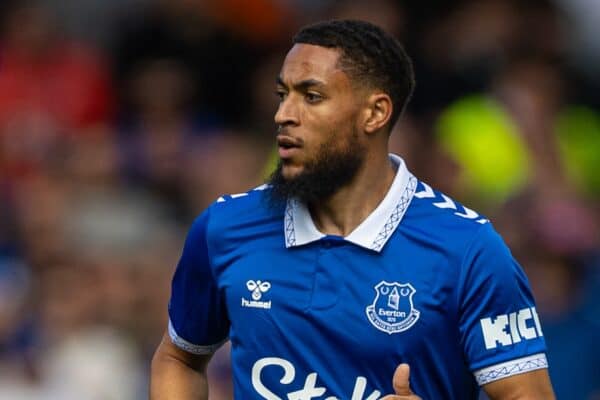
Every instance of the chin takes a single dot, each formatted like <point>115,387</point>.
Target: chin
<point>289,171</point>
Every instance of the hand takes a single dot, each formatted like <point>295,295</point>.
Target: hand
<point>401,385</point>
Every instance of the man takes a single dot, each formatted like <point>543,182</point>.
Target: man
<point>345,270</point>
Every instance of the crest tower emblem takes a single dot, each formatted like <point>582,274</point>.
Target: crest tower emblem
<point>392,310</point>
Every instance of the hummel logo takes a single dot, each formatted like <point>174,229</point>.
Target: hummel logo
<point>257,288</point>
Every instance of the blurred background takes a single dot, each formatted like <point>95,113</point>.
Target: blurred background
<point>122,120</point>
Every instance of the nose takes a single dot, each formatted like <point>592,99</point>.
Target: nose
<point>287,113</point>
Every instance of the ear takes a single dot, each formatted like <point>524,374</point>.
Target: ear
<point>378,112</point>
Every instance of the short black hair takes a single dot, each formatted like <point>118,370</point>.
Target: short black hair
<point>369,55</point>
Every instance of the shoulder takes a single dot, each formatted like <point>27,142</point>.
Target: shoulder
<point>434,220</point>
<point>243,205</point>
<point>246,213</point>
<point>461,232</point>
<point>442,215</point>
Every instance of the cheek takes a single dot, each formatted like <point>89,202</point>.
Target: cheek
<point>331,127</point>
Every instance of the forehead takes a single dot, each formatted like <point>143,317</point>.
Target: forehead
<point>307,61</point>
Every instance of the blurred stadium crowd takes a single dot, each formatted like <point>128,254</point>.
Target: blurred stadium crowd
<point>121,120</point>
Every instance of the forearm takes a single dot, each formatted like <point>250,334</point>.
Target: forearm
<point>533,385</point>
<point>174,376</point>
<point>170,379</point>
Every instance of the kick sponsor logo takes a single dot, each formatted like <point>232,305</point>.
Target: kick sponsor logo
<point>507,329</point>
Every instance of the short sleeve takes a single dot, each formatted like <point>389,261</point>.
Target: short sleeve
<point>197,314</point>
<point>499,327</point>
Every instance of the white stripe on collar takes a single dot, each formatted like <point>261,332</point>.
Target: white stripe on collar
<point>374,232</point>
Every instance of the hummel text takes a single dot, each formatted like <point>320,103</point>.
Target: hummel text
<point>256,304</point>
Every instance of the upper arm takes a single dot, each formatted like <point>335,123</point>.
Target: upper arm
<point>533,385</point>
<point>198,321</point>
<point>500,331</point>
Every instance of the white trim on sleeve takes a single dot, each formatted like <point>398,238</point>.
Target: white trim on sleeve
<point>190,347</point>
<point>510,368</point>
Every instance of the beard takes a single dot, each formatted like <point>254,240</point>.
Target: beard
<point>332,168</point>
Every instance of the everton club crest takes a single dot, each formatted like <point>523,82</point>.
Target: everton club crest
<point>392,310</point>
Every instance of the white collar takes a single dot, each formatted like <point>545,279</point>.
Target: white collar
<point>374,231</point>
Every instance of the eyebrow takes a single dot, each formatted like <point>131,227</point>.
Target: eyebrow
<point>302,85</point>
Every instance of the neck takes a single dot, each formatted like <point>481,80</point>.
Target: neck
<point>347,208</point>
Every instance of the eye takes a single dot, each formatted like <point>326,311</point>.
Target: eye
<point>281,94</point>
<point>312,97</point>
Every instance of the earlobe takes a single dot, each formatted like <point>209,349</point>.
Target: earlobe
<point>379,112</point>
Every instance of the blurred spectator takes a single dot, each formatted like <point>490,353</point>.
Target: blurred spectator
<point>582,21</point>
<point>17,341</point>
<point>527,134</point>
<point>75,336</point>
<point>222,165</point>
<point>220,62</point>
<point>38,228</point>
<point>263,22</point>
<point>578,130</point>
<point>462,48</point>
<point>497,164</point>
<point>156,136</point>
<point>50,86</point>
<point>532,91</point>
<point>76,17</point>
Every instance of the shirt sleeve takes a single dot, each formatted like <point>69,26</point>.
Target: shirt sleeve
<point>499,327</point>
<point>198,320</point>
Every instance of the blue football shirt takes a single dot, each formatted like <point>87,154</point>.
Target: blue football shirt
<point>423,280</point>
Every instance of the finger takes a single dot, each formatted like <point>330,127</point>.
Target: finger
<point>401,380</point>
<point>403,397</point>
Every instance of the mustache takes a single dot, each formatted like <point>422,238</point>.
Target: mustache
<point>285,137</point>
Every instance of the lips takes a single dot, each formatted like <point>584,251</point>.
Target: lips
<point>288,142</point>
<point>288,145</point>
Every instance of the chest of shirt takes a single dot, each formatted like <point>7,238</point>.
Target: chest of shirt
<point>334,294</point>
